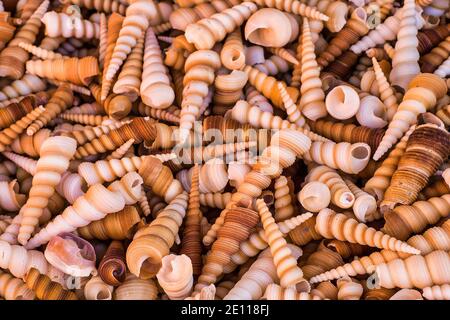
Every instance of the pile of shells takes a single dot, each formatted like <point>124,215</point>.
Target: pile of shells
<point>224,149</point>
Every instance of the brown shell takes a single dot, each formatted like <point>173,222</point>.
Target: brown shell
<point>117,226</point>
<point>46,289</point>
<point>112,268</point>
<point>305,232</point>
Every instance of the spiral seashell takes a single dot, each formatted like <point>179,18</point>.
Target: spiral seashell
<point>405,65</point>
<point>243,112</point>
<point>45,288</point>
<point>215,200</point>
<point>199,68</point>
<point>165,115</point>
<point>236,227</point>
<point>202,33</point>
<point>155,88</point>
<point>78,71</point>
<point>112,267</point>
<point>7,29</point>
<point>207,293</point>
<point>387,95</point>
<point>129,78</point>
<point>324,258</point>
<point>381,178</point>
<point>150,244</point>
<point>136,289</point>
<point>341,195</point>
<point>117,195</point>
<point>444,69</point>
<point>114,26</point>
<point>284,208</point>
<point>270,27</point>
<point>405,220</point>
<point>12,288</point>
<point>350,158</point>
<point>61,100</point>
<point>340,132</point>
<point>86,119</point>
<point>414,272</point>
<point>292,110</point>
<point>13,58</point>
<point>107,6</point>
<point>427,145</point>
<point>275,292</point>
<point>96,289</point>
<point>348,289</point>
<point>160,179</point>
<point>436,56</point>
<point>55,155</point>
<point>61,24</point>
<point>424,90</point>
<point>71,254</point>
<point>328,222</point>
<point>137,18</point>
<point>8,135</point>
<point>314,196</point>
<point>232,54</point>
<point>342,102</point>
<point>228,87</point>
<point>437,292</point>
<point>365,205</point>
<point>257,241</point>
<point>286,265</point>
<point>295,7</point>
<point>175,276</point>
<point>354,29</point>
<point>117,226</point>
<point>139,129</point>
<point>28,84</point>
<point>191,241</point>
<point>12,112</point>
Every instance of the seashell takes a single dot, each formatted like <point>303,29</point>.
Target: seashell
<point>288,271</point>
<point>257,241</point>
<point>325,290</point>
<point>275,292</point>
<point>340,193</point>
<point>354,29</point>
<point>273,66</point>
<point>321,260</point>
<point>136,21</point>
<point>435,57</point>
<point>71,254</point>
<point>150,244</point>
<point>112,268</point>
<point>342,102</point>
<point>295,7</point>
<point>444,69</point>
<point>372,113</point>
<point>26,85</point>
<point>427,147</point>
<point>207,293</point>
<point>350,158</point>
<point>254,55</point>
<point>117,195</point>
<point>155,88</point>
<point>45,288</point>
<point>365,205</point>
<point>232,54</point>
<point>96,289</point>
<point>117,226</point>
<point>204,36</point>
<point>175,276</point>
<point>436,292</point>
<point>236,227</point>
<point>61,24</point>
<point>379,294</point>
<point>416,271</point>
<point>387,95</point>
<point>314,196</point>
<point>12,288</point>
<point>58,151</point>
<point>424,90</point>
<point>407,294</point>
<point>328,222</point>
<point>136,289</point>
<point>262,30</point>
<point>348,289</point>
<point>129,78</point>
<point>283,204</point>
<point>215,200</point>
<point>191,241</point>
<point>13,58</point>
